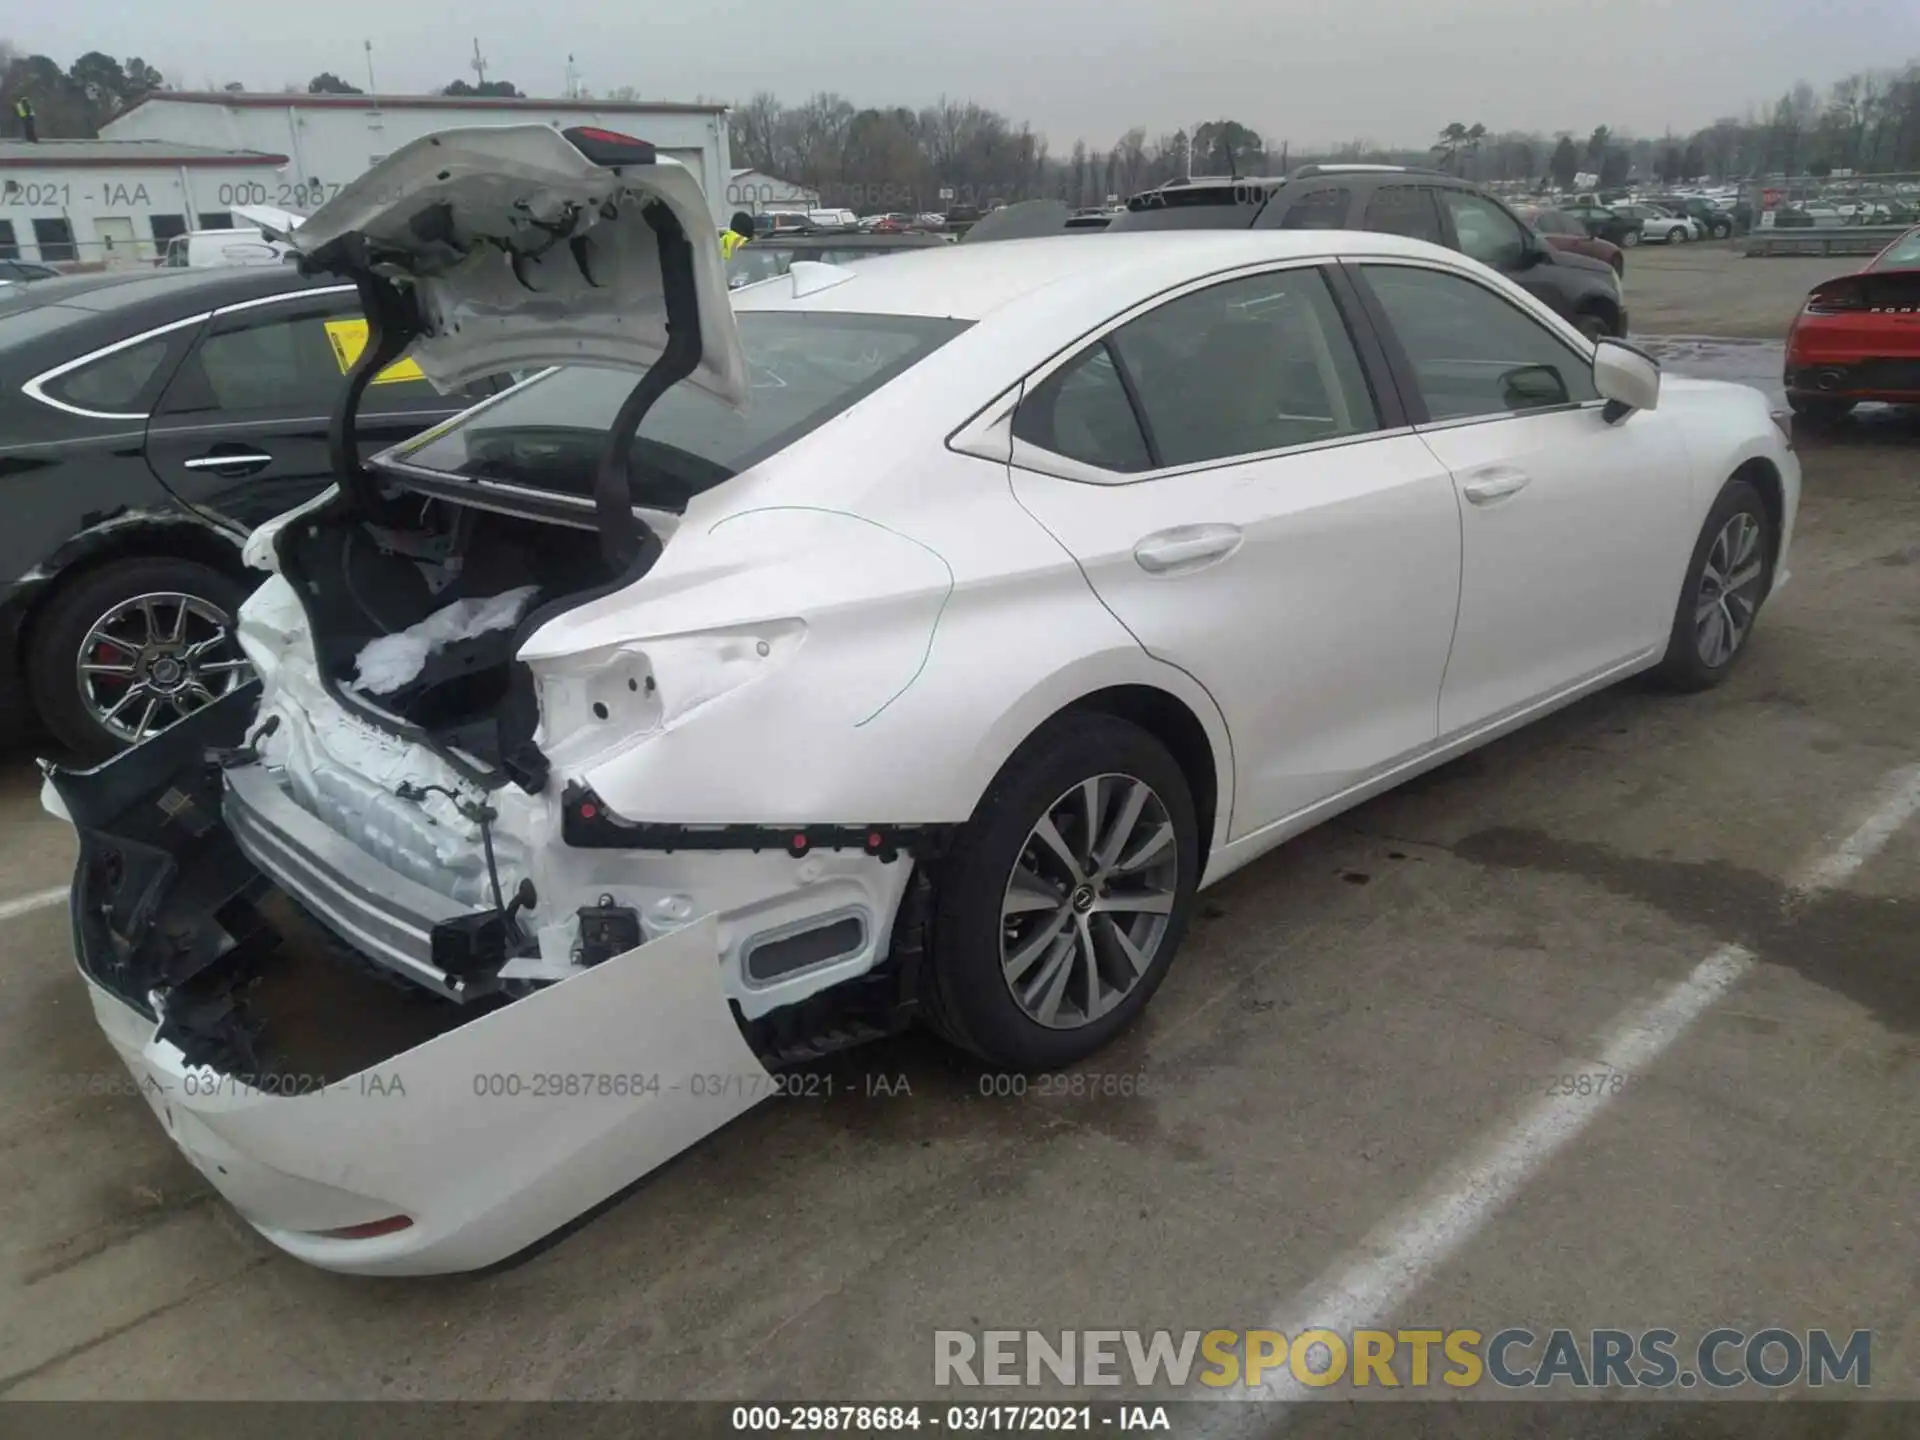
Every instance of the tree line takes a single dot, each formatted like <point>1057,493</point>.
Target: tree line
<point>873,158</point>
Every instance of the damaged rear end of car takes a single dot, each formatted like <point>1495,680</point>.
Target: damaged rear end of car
<point>388,967</point>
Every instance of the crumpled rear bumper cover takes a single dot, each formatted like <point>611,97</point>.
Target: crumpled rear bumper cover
<point>487,1138</point>
<point>510,1121</point>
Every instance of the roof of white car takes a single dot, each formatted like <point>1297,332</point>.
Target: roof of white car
<point>970,282</point>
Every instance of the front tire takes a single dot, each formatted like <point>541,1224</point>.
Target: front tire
<point>1723,230</point>
<point>1727,581</point>
<point>123,651</point>
<point>1066,897</point>
<point>1677,235</point>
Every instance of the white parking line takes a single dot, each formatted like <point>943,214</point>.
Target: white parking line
<point>1367,1287</point>
<point>27,904</point>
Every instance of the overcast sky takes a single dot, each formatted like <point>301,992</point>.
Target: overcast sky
<point>1393,71</point>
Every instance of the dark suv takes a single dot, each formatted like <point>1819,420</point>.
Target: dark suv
<point>1398,201</point>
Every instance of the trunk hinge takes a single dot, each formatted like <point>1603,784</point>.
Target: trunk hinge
<point>625,540</point>
<point>393,323</point>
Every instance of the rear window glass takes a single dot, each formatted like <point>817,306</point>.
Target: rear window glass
<point>1904,251</point>
<point>1195,207</point>
<point>805,369</point>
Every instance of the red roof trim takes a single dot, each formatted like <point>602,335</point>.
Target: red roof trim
<point>423,102</point>
<point>140,162</point>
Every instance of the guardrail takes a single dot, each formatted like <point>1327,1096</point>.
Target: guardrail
<point>1822,239</point>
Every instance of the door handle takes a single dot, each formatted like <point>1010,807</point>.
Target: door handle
<point>1186,547</point>
<point>229,460</point>
<point>1486,486</point>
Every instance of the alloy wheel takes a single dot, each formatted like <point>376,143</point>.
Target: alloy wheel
<point>154,659</point>
<point>1089,900</point>
<point>1729,590</point>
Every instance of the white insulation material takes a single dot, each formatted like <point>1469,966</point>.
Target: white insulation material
<point>386,664</point>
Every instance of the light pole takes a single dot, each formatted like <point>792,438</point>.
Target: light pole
<point>372,89</point>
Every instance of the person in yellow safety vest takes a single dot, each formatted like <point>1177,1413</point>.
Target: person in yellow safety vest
<point>738,233</point>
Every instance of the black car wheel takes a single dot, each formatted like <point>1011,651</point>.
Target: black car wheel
<point>125,650</point>
<point>1630,238</point>
<point>1066,897</point>
<point>1596,327</point>
<point>1727,580</point>
<point>1722,229</point>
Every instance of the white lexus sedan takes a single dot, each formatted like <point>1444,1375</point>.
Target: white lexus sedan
<point>903,642</point>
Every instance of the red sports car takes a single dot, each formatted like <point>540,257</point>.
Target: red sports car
<point>1858,336</point>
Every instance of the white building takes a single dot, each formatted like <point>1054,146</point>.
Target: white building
<point>331,139</point>
<point>754,191</point>
<point>119,201</point>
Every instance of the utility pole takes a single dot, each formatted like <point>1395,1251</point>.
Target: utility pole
<point>372,89</point>
<point>478,64</point>
<point>572,88</point>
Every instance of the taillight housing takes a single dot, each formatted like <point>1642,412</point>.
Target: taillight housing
<point>1840,298</point>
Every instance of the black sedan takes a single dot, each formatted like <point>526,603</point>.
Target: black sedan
<point>1607,224</point>
<point>148,421</point>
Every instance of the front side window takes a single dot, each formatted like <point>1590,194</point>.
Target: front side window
<point>1246,367</point>
<point>1405,210</point>
<point>805,369</point>
<point>1473,353</point>
<point>1485,231</point>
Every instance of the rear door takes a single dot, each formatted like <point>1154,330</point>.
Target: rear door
<point>1569,524</point>
<point>241,429</point>
<point>1251,509</point>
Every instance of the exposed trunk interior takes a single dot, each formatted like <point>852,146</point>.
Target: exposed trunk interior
<point>166,902</point>
<point>475,579</point>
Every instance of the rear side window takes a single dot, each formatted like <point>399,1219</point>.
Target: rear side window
<point>123,383</point>
<point>1249,366</point>
<point>1082,411</point>
<point>1323,209</point>
<point>1405,210</point>
<point>805,369</point>
<point>292,358</point>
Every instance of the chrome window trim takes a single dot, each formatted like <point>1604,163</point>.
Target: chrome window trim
<point>35,387</point>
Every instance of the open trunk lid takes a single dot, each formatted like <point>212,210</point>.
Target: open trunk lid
<point>529,247</point>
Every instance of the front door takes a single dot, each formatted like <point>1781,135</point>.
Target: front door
<point>241,431</point>
<point>1221,470</point>
<point>118,245</point>
<point>1569,523</point>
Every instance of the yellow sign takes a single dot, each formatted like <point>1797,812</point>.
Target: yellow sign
<point>349,338</point>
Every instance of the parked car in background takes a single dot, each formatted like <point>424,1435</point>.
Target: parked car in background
<point>784,222</point>
<point>149,419</point>
<point>241,245</point>
<point>829,219</point>
<point>1221,534</point>
<point>1423,204</point>
<point>1715,223</point>
<point>765,259</point>
<point>1659,225</point>
<point>1858,337</point>
<point>1567,232</point>
<point>1604,222</point>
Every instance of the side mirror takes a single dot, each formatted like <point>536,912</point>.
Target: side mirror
<point>1533,387</point>
<point>1627,378</point>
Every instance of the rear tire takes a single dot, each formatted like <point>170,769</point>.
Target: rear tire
<point>1630,239</point>
<point>1727,581</point>
<point>1007,895</point>
<point>1820,409</point>
<point>72,619</point>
